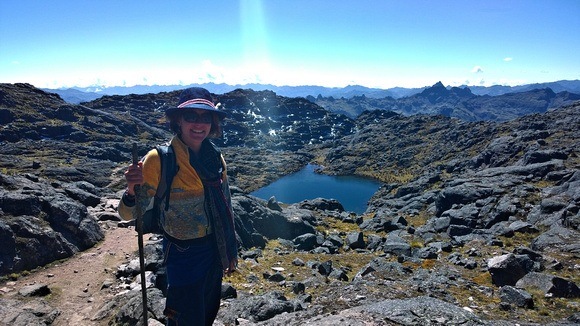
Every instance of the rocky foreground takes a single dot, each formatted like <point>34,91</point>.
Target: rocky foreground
<point>476,224</point>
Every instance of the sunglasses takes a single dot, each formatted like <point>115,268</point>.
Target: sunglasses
<point>193,117</point>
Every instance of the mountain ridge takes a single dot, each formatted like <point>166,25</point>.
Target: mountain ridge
<point>457,102</point>
<point>454,102</point>
<point>86,94</point>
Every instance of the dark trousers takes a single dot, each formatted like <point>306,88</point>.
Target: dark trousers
<point>194,284</point>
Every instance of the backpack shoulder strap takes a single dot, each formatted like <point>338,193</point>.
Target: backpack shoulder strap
<point>168,171</point>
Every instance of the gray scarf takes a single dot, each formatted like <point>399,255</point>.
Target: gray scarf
<point>209,167</point>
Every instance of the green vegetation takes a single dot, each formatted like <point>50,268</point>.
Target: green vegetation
<point>276,256</point>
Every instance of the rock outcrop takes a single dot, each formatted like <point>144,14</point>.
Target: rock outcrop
<point>43,222</point>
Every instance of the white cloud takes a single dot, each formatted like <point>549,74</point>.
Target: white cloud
<point>508,59</point>
<point>211,71</point>
<point>477,69</point>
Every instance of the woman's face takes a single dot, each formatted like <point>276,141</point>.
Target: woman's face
<point>195,126</point>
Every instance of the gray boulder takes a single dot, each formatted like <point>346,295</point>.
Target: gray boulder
<point>71,219</point>
<point>385,223</point>
<point>83,192</point>
<point>257,308</point>
<point>515,296</point>
<point>306,242</point>
<point>32,313</point>
<point>549,285</point>
<point>559,237</point>
<point>41,224</point>
<point>541,156</point>
<point>322,204</point>
<point>355,240</point>
<point>428,252</point>
<point>130,305</point>
<point>414,311</point>
<point>35,290</point>
<point>273,204</point>
<point>508,269</point>
<point>381,267</point>
<point>461,194</point>
<point>396,245</point>
<point>253,216</point>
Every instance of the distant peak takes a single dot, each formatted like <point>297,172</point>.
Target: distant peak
<point>438,84</point>
<point>435,91</point>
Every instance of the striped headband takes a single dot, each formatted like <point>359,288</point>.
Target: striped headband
<point>196,101</point>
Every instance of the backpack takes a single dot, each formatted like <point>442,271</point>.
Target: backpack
<point>152,217</point>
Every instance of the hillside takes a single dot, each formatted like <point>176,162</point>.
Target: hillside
<point>476,223</point>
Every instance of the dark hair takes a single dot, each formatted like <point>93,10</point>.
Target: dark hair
<point>175,116</point>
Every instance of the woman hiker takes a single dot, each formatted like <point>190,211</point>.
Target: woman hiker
<point>199,241</point>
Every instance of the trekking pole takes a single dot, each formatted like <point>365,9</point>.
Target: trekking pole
<point>139,227</point>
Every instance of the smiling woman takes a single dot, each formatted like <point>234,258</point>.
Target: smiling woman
<point>196,217</point>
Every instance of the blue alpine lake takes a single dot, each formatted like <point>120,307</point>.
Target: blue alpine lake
<point>351,191</point>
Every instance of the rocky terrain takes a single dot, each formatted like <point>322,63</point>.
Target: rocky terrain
<point>476,222</point>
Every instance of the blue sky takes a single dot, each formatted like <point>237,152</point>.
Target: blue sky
<point>374,43</point>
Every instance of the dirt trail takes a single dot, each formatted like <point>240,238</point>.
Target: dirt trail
<point>77,284</point>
